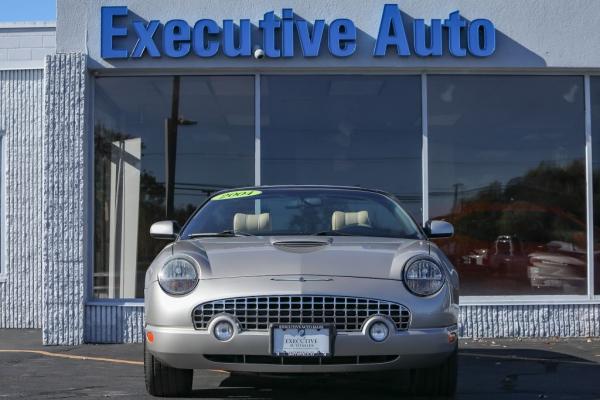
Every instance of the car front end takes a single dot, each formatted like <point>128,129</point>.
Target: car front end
<point>328,302</point>
<point>419,331</point>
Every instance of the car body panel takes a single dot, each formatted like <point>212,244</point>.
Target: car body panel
<point>348,266</point>
<point>433,311</point>
<point>339,256</point>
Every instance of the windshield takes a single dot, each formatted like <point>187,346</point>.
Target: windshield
<point>301,211</point>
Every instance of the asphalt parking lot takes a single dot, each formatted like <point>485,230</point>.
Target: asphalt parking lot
<point>489,369</point>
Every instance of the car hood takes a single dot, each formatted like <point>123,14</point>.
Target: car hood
<point>381,258</point>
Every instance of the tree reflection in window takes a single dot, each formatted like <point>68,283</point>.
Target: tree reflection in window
<point>507,169</point>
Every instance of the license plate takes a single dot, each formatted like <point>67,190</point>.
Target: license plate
<point>301,340</point>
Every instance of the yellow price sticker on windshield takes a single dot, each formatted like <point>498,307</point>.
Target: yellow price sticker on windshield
<point>238,194</point>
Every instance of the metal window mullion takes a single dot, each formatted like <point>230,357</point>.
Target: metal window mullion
<point>589,175</point>
<point>90,193</point>
<point>257,171</point>
<point>424,150</point>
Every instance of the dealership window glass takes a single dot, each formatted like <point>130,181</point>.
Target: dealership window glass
<point>162,145</point>
<point>355,130</point>
<point>595,103</point>
<point>506,167</point>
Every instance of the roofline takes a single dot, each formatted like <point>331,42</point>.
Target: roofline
<point>28,25</point>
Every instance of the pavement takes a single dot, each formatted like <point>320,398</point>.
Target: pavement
<point>488,369</point>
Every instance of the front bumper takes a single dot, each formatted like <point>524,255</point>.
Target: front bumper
<point>249,351</point>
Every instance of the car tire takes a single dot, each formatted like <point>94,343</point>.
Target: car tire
<point>438,381</point>
<point>165,381</point>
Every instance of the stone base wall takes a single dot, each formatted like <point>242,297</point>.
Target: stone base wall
<point>114,324</point>
<point>21,128</point>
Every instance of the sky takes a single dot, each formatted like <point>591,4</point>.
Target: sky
<point>27,10</point>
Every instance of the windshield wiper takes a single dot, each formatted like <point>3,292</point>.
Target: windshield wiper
<point>226,233</point>
<point>332,233</point>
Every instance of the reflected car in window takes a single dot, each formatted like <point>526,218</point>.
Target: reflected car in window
<point>301,279</point>
<point>515,246</point>
<point>559,265</point>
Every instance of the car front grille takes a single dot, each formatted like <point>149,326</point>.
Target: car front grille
<point>258,313</point>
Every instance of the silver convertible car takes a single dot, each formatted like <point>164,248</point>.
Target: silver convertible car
<point>301,279</point>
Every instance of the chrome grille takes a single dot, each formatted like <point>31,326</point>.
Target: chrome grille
<point>258,313</point>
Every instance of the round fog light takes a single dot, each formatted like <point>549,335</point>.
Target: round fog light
<point>379,331</point>
<point>223,330</point>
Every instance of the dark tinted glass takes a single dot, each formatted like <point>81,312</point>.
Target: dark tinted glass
<point>595,100</point>
<point>326,212</point>
<point>506,164</point>
<point>209,124</point>
<point>344,130</point>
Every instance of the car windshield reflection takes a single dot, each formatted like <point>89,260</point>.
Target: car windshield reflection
<point>288,212</point>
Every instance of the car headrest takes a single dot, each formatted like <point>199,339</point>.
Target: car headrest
<point>341,219</point>
<point>251,223</point>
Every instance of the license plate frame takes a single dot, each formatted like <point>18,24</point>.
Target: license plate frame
<point>328,327</point>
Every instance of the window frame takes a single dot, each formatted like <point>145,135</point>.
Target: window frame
<point>588,298</point>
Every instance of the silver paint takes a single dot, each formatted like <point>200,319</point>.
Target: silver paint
<point>365,267</point>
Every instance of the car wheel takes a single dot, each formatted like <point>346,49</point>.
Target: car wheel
<point>165,381</point>
<point>439,381</point>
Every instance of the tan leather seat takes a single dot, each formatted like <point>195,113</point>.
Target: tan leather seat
<point>252,223</point>
<point>341,219</point>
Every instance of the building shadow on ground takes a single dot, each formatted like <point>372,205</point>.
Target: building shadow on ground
<point>483,373</point>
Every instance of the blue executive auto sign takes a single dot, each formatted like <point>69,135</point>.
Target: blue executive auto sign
<point>278,35</point>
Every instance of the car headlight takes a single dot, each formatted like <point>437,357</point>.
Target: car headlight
<point>423,276</point>
<point>178,276</point>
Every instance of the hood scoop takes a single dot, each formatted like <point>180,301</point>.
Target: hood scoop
<point>300,245</point>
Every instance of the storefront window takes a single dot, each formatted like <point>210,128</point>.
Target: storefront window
<point>207,122</point>
<point>506,165</point>
<point>346,130</point>
<point>595,102</point>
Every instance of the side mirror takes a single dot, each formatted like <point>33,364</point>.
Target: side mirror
<point>164,230</point>
<point>438,229</point>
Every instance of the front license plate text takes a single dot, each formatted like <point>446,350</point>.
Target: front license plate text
<point>301,340</point>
